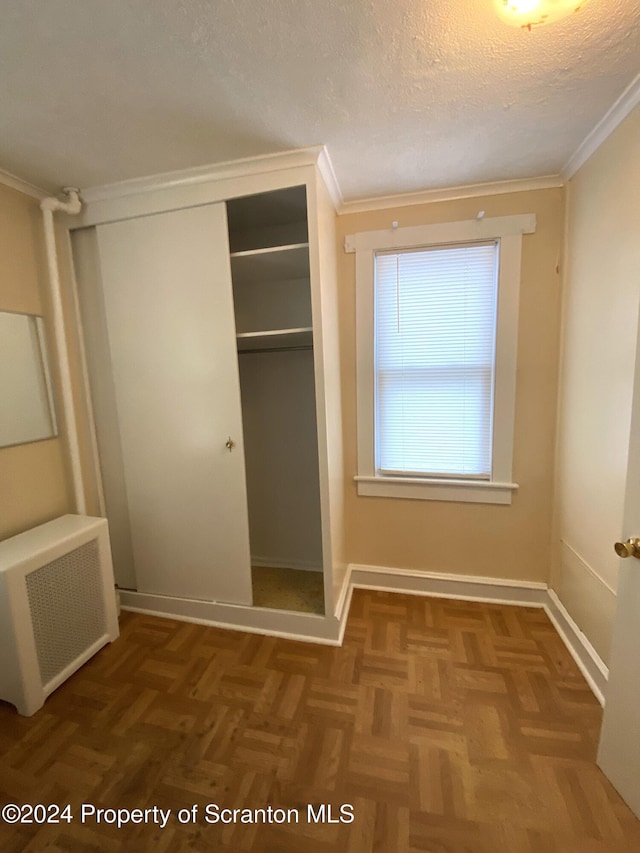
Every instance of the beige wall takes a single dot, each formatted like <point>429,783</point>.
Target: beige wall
<point>600,315</point>
<point>33,484</point>
<point>475,539</point>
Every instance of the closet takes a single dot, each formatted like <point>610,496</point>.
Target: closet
<point>208,342</point>
<point>269,251</point>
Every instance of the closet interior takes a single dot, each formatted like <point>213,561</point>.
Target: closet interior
<point>269,255</point>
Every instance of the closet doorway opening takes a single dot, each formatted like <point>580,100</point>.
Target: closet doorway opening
<point>269,248</point>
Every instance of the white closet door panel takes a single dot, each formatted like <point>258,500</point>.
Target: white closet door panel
<point>169,310</point>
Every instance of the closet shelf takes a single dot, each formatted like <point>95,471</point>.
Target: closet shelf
<point>278,263</point>
<point>275,339</point>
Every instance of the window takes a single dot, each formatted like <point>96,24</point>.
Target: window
<point>437,313</point>
<point>434,360</point>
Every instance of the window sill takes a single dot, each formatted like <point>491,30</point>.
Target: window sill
<point>463,491</point>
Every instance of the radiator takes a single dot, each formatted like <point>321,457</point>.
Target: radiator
<point>57,606</point>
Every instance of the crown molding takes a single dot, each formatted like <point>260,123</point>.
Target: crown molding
<point>452,193</point>
<point>202,174</point>
<point>325,167</point>
<point>629,99</point>
<point>9,180</point>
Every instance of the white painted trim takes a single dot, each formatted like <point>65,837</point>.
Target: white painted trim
<point>614,116</point>
<point>343,595</point>
<point>219,188</point>
<point>318,155</point>
<point>441,585</point>
<point>506,355</point>
<point>344,615</point>
<point>461,231</point>
<point>229,626</point>
<point>451,193</point>
<point>304,627</point>
<point>318,322</point>
<point>508,230</point>
<point>329,178</point>
<point>418,488</point>
<point>453,596</point>
<point>16,183</point>
<point>365,362</point>
<point>277,563</point>
<point>586,657</point>
<point>204,174</point>
<point>447,576</point>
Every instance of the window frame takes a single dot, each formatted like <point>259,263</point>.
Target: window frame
<point>508,232</point>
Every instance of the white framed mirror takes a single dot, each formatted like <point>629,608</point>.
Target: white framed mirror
<point>27,411</point>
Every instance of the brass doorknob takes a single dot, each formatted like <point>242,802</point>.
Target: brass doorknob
<point>229,444</point>
<point>630,548</point>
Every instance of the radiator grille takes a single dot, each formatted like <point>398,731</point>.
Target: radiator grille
<point>67,608</point>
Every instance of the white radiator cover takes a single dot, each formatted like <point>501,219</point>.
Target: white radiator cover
<point>57,606</point>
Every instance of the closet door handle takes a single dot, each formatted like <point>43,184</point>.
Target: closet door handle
<point>229,444</point>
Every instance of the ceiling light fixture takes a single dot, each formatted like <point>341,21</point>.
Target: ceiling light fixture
<point>534,13</point>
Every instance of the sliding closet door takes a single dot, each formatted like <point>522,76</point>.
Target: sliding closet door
<point>169,316</point>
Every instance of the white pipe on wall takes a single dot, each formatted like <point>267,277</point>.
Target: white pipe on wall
<point>72,206</point>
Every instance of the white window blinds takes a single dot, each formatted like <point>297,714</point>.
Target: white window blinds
<point>435,328</point>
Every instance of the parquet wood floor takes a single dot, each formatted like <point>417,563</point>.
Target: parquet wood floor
<point>451,727</point>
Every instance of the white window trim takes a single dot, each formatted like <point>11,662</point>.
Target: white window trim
<point>508,230</point>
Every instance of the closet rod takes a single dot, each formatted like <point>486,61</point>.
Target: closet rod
<point>274,349</point>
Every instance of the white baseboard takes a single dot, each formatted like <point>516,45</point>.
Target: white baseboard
<point>304,627</point>
<point>341,598</point>
<point>588,660</point>
<point>343,603</point>
<point>329,630</point>
<point>440,585</point>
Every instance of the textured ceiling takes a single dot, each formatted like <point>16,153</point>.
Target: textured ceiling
<point>407,95</point>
